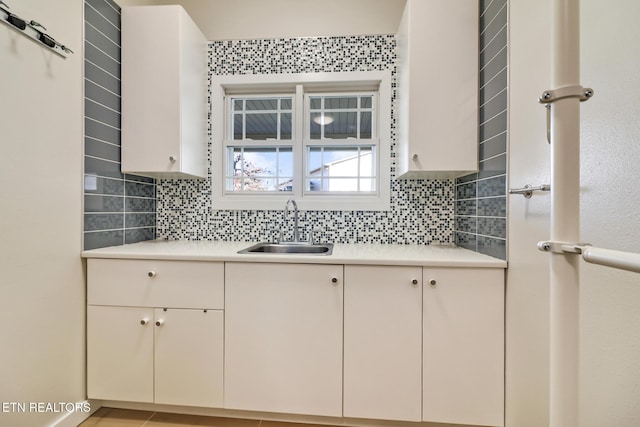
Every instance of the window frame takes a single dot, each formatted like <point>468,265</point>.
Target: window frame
<point>230,141</point>
<point>299,85</point>
<point>358,143</point>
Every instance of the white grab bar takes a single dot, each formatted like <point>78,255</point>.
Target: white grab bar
<point>629,261</point>
<point>617,259</point>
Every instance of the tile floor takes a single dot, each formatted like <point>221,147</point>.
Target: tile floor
<point>110,417</point>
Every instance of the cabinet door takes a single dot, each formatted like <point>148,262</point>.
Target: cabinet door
<point>163,93</point>
<point>464,346</point>
<point>446,144</point>
<point>189,357</point>
<point>383,342</point>
<point>283,338</point>
<point>120,353</point>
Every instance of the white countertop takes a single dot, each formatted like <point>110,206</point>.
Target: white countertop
<point>375,254</point>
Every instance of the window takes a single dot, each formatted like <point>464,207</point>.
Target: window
<point>320,138</point>
<point>259,150</point>
<point>340,145</point>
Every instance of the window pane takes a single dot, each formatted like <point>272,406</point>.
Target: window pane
<point>341,161</point>
<point>341,117</point>
<point>367,159</point>
<point>315,127</point>
<point>259,169</point>
<point>367,184</point>
<point>343,184</point>
<point>316,184</point>
<point>285,126</point>
<point>354,185</point>
<point>344,126</point>
<point>340,169</point>
<point>262,104</point>
<point>261,126</point>
<point>315,102</point>
<point>257,118</point>
<point>365,125</point>
<point>314,161</point>
<point>285,184</point>
<point>285,162</point>
<point>340,102</point>
<point>237,126</point>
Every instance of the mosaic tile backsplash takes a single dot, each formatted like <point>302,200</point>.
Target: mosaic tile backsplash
<point>422,211</point>
<point>481,201</point>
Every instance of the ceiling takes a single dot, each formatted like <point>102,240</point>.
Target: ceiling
<point>252,19</point>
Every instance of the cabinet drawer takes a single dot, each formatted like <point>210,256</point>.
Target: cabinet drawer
<point>155,283</point>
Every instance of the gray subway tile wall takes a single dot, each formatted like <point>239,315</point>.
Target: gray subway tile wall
<point>481,202</point>
<point>118,208</point>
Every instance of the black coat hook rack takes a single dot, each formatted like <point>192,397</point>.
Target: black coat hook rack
<point>33,30</point>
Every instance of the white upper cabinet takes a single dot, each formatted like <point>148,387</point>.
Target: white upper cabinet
<point>164,93</point>
<point>438,89</point>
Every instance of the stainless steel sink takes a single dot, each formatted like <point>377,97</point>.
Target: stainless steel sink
<point>289,248</point>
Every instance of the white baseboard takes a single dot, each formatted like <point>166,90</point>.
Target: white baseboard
<point>72,419</point>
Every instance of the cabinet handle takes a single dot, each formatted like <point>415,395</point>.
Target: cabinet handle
<point>432,282</point>
<point>173,159</point>
<point>415,157</point>
<point>414,281</point>
<point>151,274</point>
<point>159,322</point>
<point>334,280</point>
<point>144,321</point>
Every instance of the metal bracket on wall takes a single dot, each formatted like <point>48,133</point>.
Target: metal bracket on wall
<point>32,30</point>
<point>527,190</point>
<point>550,96</point>
<point>562,247</point>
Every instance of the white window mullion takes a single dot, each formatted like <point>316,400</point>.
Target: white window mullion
<point>278,121</point>
<point>244,120</point>
<point>358,114</point>
<point>299,110</point>
<point>359,151</point>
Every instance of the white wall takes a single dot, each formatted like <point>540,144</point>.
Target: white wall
<point>610,215</point>
<point>527,299</point>
<point>264,19</point>
<point>41,277</point>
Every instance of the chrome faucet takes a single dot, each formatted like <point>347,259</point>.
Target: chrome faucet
<point>296,232</point>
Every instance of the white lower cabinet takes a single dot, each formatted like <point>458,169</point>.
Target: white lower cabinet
<point>171,356</point>
<point>395,343</point>
<point>463,354</point>
<point>155,331</point>
<point>383,342</point>
<point>283,338</point>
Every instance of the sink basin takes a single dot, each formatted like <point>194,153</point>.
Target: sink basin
<point>289,248</point>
